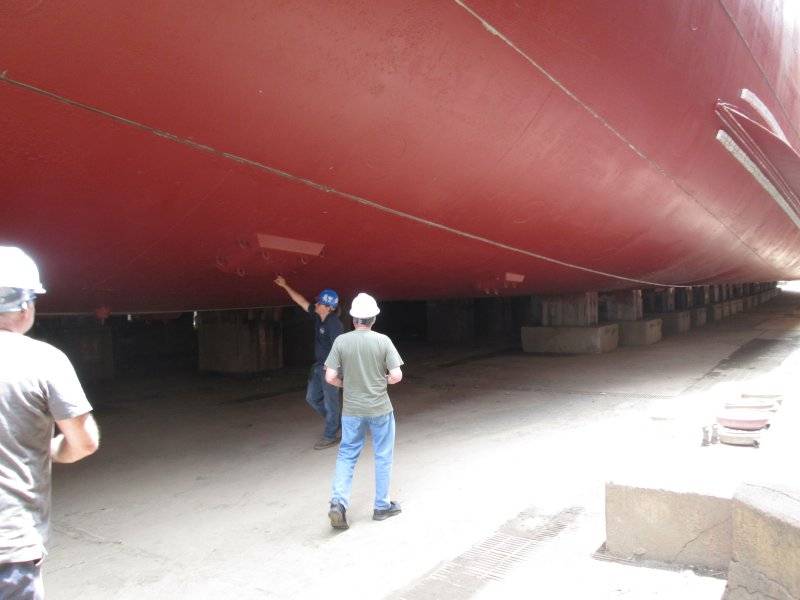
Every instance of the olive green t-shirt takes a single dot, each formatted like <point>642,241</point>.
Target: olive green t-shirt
<point>363,358</point>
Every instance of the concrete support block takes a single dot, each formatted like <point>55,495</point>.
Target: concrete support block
<point>494,318</point>
<point>747,303</point>
<point>737,305</point>
<point>715,312</point>
<point>665,300</point>
<point>699,316</point>
<point>670,526</point>
<point>240,341</point>
<point>726,309</point>
<point>573,310</point>
<point>702,295</point>
<point>684,298</point>
<point>765,562</point>
<point>570,340</point>
<point>624,305</point>
<point>674,322</point>
<point>451,320</point>
<point>639,333</point>
<point>716,294</point>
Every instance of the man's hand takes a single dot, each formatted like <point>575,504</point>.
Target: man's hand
<point>296,297</point>
<point>395,376</point>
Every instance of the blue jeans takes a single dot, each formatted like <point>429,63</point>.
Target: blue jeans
<point>324,398</point>
<point>21,581</point>
<point>354,431</point>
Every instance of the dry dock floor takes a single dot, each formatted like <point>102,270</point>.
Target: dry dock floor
<point>208,487</point>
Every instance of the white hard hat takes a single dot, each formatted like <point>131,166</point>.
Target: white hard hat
<point>17,270</point>
<point>364,307</point>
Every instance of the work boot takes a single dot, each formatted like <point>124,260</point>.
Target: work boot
<point>325,443</point>
<point>379,514</point>
<point>338,516</point>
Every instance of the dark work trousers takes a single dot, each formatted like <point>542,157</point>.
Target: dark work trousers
<point>324,398</point>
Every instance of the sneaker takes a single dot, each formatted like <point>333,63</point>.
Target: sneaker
<point>379,514</point>
<point>325,443</point>
<point>338,516</point>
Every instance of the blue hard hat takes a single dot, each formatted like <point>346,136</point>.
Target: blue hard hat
<point>329,298</point>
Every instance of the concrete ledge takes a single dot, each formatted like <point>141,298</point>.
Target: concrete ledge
<point>570,340</point>
<point>668,526</point>
<point>715,312</point>
<point>639,333</point>
<point>674,322</point>
<point>765,561</point>
<point>699,316</point>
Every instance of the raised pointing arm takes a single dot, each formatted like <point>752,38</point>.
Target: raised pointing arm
<point>297,297</point>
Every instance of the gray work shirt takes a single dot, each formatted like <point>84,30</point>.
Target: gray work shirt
<point>364,357</point>
<point>38,386</point>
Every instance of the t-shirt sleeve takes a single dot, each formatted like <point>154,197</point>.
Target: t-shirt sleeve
<point>393,359</point>
<point>65,396</point>
<point>334,360</point>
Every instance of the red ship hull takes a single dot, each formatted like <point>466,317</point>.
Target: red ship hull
<point>179,155</point>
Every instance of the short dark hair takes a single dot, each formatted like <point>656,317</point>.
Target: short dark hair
<point>367,321</point>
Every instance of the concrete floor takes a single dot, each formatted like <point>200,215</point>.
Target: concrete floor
<point>208,487</point>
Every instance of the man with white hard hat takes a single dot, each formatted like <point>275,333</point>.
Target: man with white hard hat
<point>38,387</point>
<point>369,362</point>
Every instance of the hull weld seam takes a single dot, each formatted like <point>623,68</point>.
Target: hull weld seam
<point>324,188</point>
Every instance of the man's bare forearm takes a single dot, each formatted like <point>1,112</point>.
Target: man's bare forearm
<point>394,376</point>
<point>82,439</point>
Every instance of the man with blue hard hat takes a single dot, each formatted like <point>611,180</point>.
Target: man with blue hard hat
<point>320,395</point>
<point>38,390</point>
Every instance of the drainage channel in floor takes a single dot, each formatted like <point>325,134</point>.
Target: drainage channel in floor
<point>492,559</point>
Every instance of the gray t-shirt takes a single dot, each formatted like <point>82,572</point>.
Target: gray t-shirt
<point>38,386</point>
<point>364,357</point>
